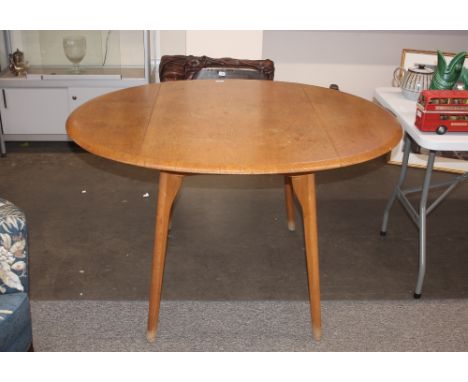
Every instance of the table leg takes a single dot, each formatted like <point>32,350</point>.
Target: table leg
<point>397,190</point>
<point>290,208</point>
<point>422,224</point>
<point>169,186</point>
<point>304,187</point>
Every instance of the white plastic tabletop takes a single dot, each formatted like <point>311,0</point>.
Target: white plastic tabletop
<point>405,111</point>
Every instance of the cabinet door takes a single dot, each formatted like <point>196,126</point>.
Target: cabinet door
<point>34,111</point>
<point>78,96</point>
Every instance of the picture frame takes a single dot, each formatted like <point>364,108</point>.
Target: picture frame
<point>450,161</point>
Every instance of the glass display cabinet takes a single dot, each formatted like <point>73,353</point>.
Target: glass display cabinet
<point>45,75</point>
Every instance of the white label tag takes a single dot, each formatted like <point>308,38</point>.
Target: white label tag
<point>222,74</point>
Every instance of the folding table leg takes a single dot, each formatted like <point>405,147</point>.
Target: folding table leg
<point>401,180</point>
<point>422,224</point>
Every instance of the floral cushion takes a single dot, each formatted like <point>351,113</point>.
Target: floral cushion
<point>13,249</point>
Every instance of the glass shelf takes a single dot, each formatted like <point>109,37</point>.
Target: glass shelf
<point>109,54</point>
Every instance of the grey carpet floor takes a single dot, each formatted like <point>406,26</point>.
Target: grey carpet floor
<point>229,239</point>
<point>235,277</point>
<point>425,325</point>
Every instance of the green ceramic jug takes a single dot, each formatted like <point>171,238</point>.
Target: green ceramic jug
<point>446,76</point>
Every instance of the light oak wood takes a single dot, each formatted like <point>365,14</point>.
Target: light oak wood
<point>304,188</point>
<point>235,127</point>
<point>290,208</point>
<point>169,186</point>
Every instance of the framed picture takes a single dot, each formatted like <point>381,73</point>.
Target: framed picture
<point>451,161</point>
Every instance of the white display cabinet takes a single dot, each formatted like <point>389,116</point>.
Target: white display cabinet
<point>35,105</point>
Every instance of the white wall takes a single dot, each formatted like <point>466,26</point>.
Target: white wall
<point>171,42</point>
<point>214,43</point>
<point>217,44</point>
<point>358,61</point>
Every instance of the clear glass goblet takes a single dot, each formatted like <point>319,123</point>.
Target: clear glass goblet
<point>75,50</point>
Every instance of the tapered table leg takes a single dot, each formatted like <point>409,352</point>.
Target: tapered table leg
<point>304,187</point>
<point>290,210</point>
<point>169,186</point>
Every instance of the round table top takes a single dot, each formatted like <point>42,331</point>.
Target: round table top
<point>234,127</point>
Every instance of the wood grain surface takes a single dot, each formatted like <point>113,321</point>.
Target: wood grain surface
<point>234,127</point>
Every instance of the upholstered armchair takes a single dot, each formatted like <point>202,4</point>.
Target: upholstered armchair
<point>15,315</point>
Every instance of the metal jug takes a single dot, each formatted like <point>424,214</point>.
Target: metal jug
<point>414,81</point>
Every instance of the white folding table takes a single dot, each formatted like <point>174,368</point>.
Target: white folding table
<point>405,111</point>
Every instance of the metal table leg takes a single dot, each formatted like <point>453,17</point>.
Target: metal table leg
<point>422,224</point>
<point>419,217</point>
<point>397,190</point>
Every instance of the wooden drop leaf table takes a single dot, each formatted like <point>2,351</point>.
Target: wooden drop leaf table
<point>234,127</point>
